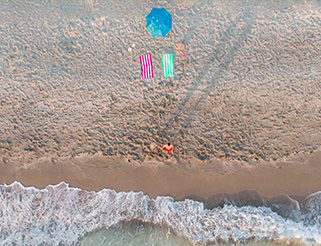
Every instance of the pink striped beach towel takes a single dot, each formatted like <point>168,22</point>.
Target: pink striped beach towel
<point>147,66</point>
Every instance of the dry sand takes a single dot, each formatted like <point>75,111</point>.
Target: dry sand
<point>248,90</point>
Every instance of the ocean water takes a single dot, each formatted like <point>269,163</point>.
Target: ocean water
<point>135,232</point>
<point>138,233</point>
<point>62,215</point>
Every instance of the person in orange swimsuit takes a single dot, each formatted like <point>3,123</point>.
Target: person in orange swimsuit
<point>169,147</point>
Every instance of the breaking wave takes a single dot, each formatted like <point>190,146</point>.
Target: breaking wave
<point>62,215</point>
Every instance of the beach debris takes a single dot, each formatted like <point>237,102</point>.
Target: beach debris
<point>184,56</point>
<point>159,22</point>
<point>130,50</point>
<point>180,47</point>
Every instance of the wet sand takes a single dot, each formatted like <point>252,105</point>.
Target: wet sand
<point>298,175</point>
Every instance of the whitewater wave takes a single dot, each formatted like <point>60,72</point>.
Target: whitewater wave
<point>60,214</point>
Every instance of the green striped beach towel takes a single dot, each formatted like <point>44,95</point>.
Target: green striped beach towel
<point>168,65</point>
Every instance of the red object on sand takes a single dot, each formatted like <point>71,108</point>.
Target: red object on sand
<point>146,66</point>
<point>184,55</point>
<point>170,149</point>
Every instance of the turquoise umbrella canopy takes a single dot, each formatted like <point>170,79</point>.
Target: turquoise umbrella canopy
<point>159,22</point>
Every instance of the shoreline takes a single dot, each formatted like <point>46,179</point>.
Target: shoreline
<point>297,175</point>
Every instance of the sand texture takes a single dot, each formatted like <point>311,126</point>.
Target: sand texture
<point>296,175</point>
<point>249,88</point>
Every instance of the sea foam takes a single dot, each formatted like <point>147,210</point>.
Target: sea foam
<point>60,214</point>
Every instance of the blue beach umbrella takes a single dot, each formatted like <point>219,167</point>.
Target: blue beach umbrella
<point>159,22</point>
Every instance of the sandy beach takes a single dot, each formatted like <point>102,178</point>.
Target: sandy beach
<point>297,175</point>
<point>243,111</point>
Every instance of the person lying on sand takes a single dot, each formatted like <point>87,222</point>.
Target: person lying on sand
<point>169,147</point>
